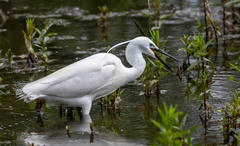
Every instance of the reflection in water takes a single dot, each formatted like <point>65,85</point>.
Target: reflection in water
<point>73,133</point>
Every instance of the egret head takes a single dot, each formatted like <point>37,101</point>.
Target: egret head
<point>149,48</point>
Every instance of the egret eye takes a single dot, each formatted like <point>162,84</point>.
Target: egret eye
<point>151,46</point>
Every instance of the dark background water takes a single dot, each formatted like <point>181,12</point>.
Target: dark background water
<point>78,37</point>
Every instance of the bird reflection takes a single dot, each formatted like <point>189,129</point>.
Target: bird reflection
<point>77,131</point>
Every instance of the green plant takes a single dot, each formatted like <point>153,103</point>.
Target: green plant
<point>147,79</point>
<point>210,23</point>
<point>237,136</point>
<point>232,78</point>
<point>29,36</point>
<point>114,99</point>
<point>200,82</point>
<point>231,112</point>
<point>154,70</point>
<point>43,39</point>
<point>171,127</point>
<point>197,48</point>
<point>155,13</point>
<point>231,115</point>
<point>186,41</point>
<point>9,55</point>
<point>156,7</point>
<point>104,10</point>
<point>230,16</point>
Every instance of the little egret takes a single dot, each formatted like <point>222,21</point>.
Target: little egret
<point>78,84</point>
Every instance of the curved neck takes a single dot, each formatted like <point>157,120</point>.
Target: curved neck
<point>135,59</point>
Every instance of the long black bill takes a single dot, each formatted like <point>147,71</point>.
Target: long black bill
<point>160,51</point>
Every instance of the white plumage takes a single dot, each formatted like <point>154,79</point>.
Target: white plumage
<point>78,84</point>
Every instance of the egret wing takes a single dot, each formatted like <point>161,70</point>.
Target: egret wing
<point>75,80</point>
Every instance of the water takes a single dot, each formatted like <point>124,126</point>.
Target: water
<point>78,37</point>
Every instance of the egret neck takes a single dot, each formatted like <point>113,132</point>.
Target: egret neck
<point>135,59</point>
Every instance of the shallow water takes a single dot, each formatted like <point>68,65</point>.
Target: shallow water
<point>78,37</point>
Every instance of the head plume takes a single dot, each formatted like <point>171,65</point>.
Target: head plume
<point>119,44</point>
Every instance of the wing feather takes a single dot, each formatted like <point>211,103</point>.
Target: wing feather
<point>75,80</point>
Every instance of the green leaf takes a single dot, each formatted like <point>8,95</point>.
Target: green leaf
<point>193,65</point>
<point>166,16</point>
<point>235,67</point>
<point>156,123</point>
<point>149,16</point>
<point>233,80</point>
<point>51,34</point>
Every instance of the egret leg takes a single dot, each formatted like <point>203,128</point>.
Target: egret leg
<point>39,120</point>
<point>79,109</point>
<point>70,113</point>
<point>60,111</point>
<point>86,107</point>
<point>38,107</point>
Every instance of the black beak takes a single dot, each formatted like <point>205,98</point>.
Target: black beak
<point>160,51</point>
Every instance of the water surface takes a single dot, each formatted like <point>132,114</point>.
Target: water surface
<point>78,37</point>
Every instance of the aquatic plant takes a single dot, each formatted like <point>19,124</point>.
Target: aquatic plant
<point>199,72</point>
<point>147,79</point>
<point>9,55</point>
<point>209,22</point>
<point>154,70</point>
<point>43,39</point>
<point>232,78</point>
<point>156,8</point>
<point>230,17</point>
<point>110,113</point>
<point>186,41</point>
<point>68,128</point>
<point>230,122</point>
<point>112,101</point>
<point>231,117</point>
<point>92,133</point>
<point>197,48</point>
<point>237,136</point>
<point>171,127</point>
<point>104,10</point>
<point>29,35</point>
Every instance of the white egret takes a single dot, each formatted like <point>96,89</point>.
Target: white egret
<point>78,84</point>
